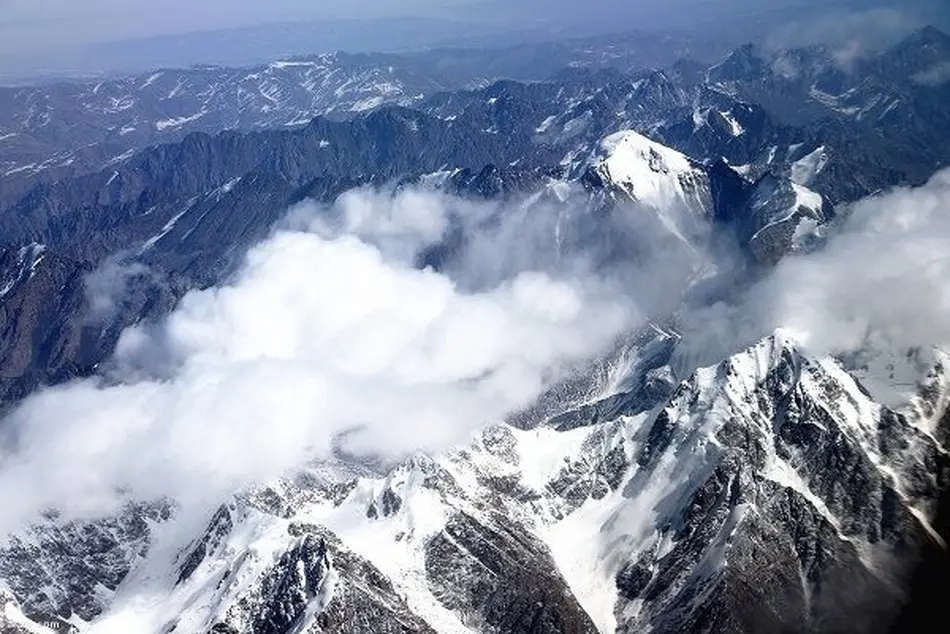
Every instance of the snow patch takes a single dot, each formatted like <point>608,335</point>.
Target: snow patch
<point>735,127</point>
<point>151,80</point>
<point>650,170</point>
<point>805,169</point>
<point>541,129</point>
<point>808,199</point>
<point>177,122</point>
<point>281,64</point>
<point>148,244</point>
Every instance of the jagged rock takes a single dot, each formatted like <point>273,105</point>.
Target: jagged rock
<point>58,570</point>
<point>500,579</point>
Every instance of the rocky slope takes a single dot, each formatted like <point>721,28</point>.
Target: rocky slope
<point>53,130</point>
<point>769,492</point>
<point>177,217</point>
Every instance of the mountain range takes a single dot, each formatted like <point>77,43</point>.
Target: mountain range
<point>775,489</point>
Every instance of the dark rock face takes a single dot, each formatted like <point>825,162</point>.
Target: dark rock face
<point>183,217</point>
<point>291,584</point>
<point>41,333</point>
<point>772,215</point>
<point>49,328</point>
<point>317,585</point>
<point>796,528</point>
<point>279,167</point>
<point>651,384</point>
<point>501,579</point>
<point>367,603</point>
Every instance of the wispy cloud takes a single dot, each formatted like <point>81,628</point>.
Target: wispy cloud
<point>850,35</point>
<point>882,277</point>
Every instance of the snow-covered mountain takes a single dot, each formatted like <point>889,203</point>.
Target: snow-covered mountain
<point>773,489</point>
<point>795,110</point>
<point>773,215</point>
<point>652,174</point>
<point>769,492</point>
<point>67,127</point>
<point>776,490</point>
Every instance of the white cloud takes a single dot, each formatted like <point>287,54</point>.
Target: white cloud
<point>887,271</point>
<point>107,284</point>
<point>850,35</point>
<point>883,276</point>
<point>936,75</point>
<point>327,329</point>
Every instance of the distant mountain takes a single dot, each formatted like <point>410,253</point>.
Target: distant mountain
<point>757,111</point>
<point>189,211</point>
<point>844,132</point>
<point>63,128</point>
<point>68,127</point>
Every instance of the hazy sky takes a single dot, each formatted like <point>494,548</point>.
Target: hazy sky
<point>55,34</point>
<point>26,21</point>
<point>45,22</point>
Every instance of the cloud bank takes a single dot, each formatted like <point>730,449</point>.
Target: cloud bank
<point>886,272</point>
<point>327,335</point>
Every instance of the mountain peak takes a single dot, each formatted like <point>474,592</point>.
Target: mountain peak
<point>929,35</point>
<point>741,63</point>
<point>627,150</point>
<point>655,175</point>
<point>920,51</point>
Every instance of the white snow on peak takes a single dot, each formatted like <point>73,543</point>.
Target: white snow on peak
<point>806,198</point>
<point>735,126</point>
<point>650,172</point>
<point>389,519</point>
<point>177,122</point>
<point>660,178</point>
<point>805,169</point>
<point>625,147</point>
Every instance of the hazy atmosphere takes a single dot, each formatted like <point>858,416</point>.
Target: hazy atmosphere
<point>51,36</point>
